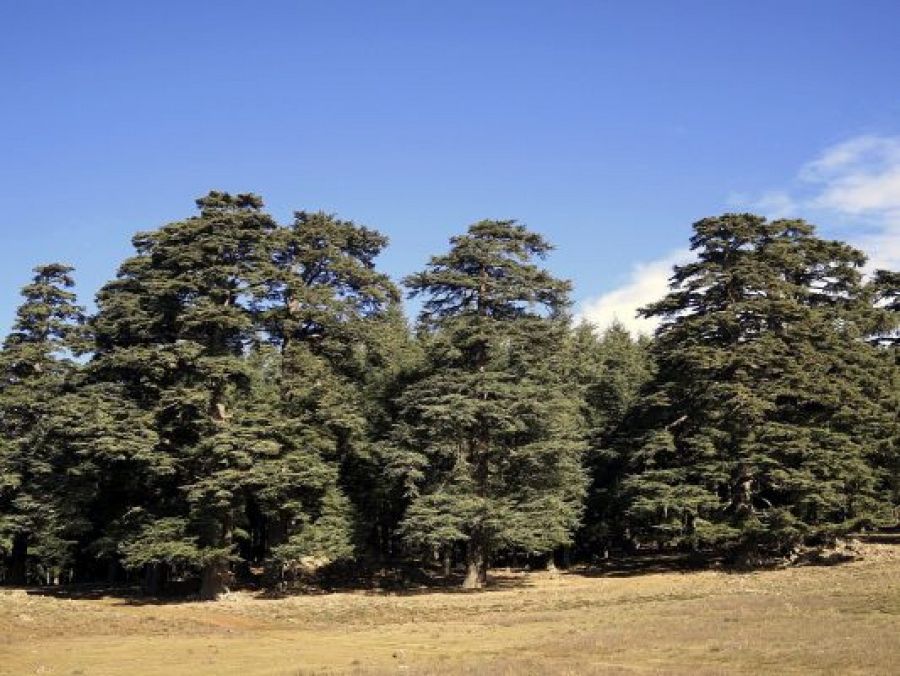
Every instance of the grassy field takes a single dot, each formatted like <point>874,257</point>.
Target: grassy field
<point>834,619</point>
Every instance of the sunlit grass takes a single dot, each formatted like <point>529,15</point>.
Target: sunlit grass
<point>838,619</point>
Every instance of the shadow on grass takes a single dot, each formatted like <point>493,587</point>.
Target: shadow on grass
<point>649,563</point>
<point>125,595</point>
<point>387,582</point>
<point>399,581</point>
<point>887,536</point>
<point>408,579</point>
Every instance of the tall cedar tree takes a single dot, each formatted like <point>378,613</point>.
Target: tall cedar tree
<point>756,433</point>
<point>393,357</point>
<point>244,341</point>
<point>329,309</point>
<point>174,327</point>
<point>488,440</point>
<point>35,365</point>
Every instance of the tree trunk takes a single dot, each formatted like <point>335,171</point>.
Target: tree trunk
<point>112,571</point>
<point>448,560</point>
<point>213,580</point>
<point>551,565</point>
<point>476,568</point>
<point>473,578</point>
<point>18,567</point>
<point>216,574</point>
<point>153,579</point>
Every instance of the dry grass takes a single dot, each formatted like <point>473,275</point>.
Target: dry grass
<point>838,619</point>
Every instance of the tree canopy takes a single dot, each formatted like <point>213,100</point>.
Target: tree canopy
<point>247,404</point>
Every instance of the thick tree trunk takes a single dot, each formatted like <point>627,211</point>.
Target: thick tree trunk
<point>476,564</point>
<point>473,577</point>
<point>216,575</point>
<point>742,494</point>
<point>153,579</point>
<point>112,571</point>
<point>18,566</point>
<point>213,580</point>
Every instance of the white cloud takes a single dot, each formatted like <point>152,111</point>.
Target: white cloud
<point>857,155</point>
<point>851,189</point>
<point>859,180</point>
<point>775,204</point>
<point>648,282</point>
<point>858,176</point>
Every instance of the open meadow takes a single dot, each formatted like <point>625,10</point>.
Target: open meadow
<point>828,619</point>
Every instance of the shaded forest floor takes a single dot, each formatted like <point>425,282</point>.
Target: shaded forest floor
<point>839,619</point>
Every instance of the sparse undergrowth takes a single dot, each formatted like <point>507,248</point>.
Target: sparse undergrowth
<point>842,618</point>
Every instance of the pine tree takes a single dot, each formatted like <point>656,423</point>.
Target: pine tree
<point>756,431</point>
<point>35,366</point>
<point>393,359</point>
<point>488,439</point>
<point>110,445</point>
<point>245,342</point>
<point>327,309</point>
<point>611,368</point>
<point>175,328</point>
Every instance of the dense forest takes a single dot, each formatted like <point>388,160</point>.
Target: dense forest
<point>248,401</point>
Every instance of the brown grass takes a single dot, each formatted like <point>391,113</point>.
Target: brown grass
<point>838,619</point>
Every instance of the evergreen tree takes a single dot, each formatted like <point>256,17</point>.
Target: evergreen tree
<point>110,445</point>
<point>174,328</point>
<point>488,439</point>
<point>245,342</point>
<point>610,368</point>
<point>393,359</point>
<point>35,366</point>
<point>884,288</point>
<point>756,431</point>
<point>327,309</point>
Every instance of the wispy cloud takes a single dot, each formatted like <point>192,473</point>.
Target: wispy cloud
<point>771,204</point>
<point>859,181</point>
<point>851,189</point>
<point>647,282</point>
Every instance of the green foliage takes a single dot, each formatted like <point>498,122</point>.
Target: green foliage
<point>610,369</point>
<point>884,290</point>
<point>246,343</point>
<point>487,441</point>
<point>249,397</point>
<point>162,541</point>
<point>35,370</point>
<point>756,431</point>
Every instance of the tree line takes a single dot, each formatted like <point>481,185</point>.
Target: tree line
<point>248,399</point>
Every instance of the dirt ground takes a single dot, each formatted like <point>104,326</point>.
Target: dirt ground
<point>826,619</point>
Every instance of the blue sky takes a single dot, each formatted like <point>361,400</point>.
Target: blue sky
<point>609,127</point>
